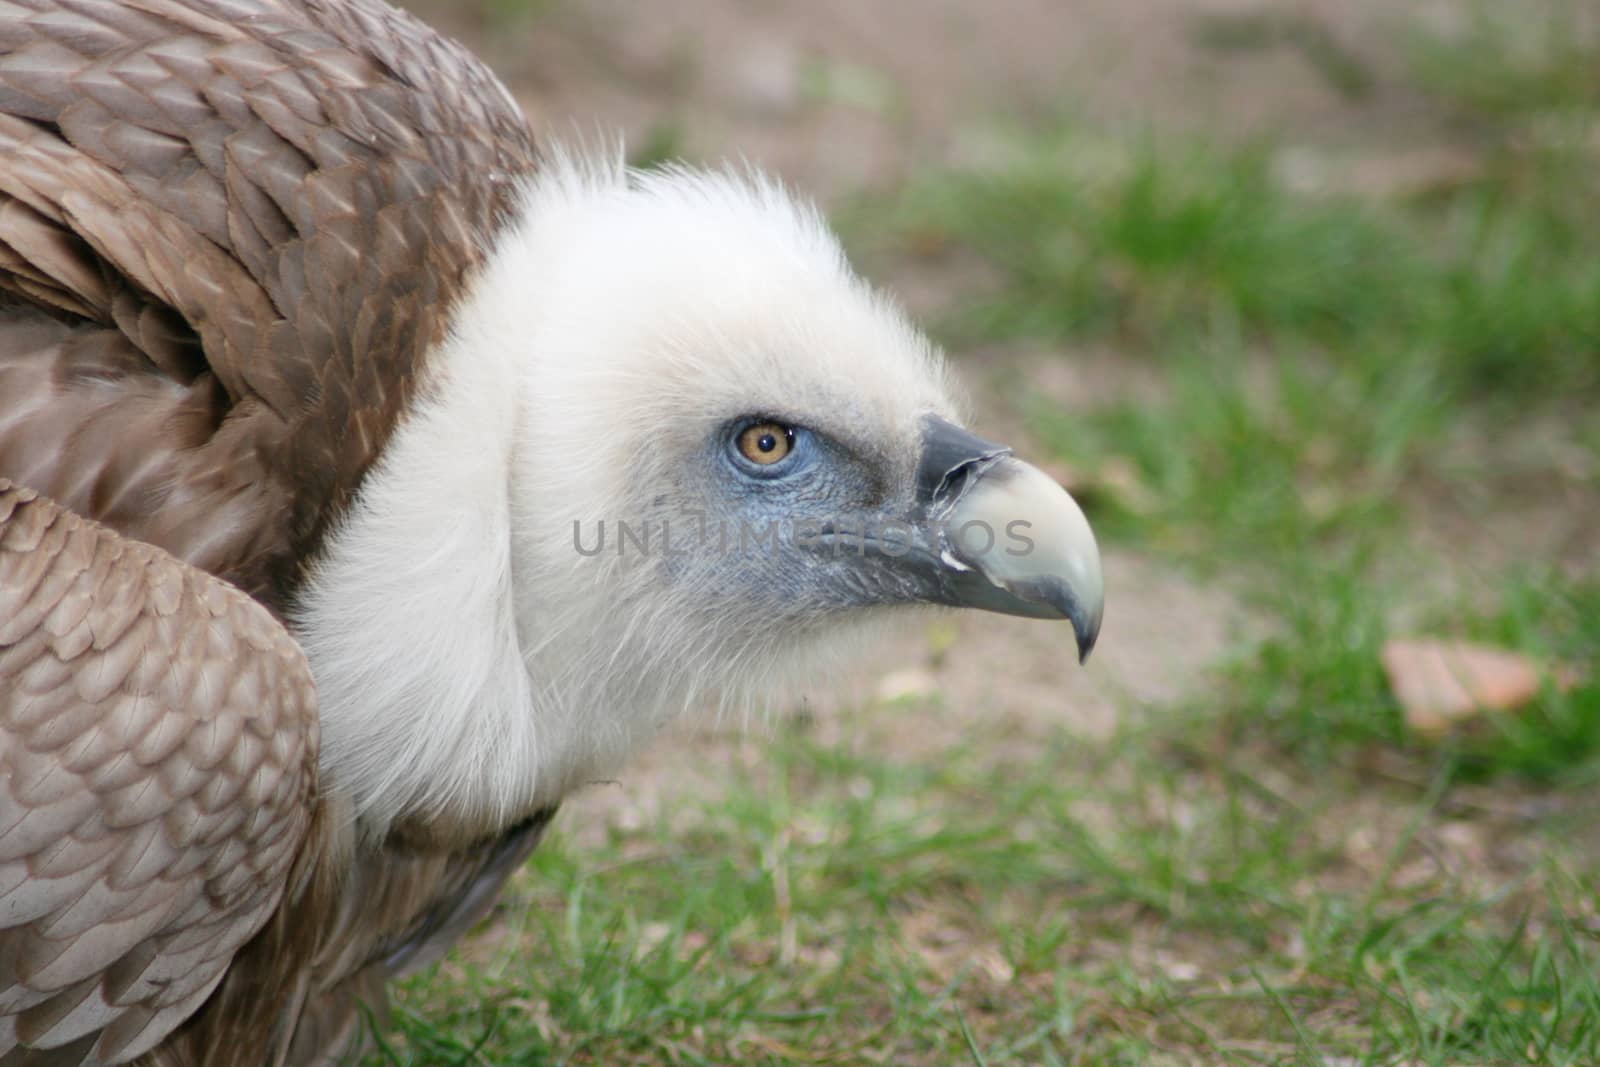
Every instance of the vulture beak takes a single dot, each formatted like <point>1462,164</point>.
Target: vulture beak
<point>1003,535</point>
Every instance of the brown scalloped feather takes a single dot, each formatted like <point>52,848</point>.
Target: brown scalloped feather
<point>230,232</point>
<point>158,740</point>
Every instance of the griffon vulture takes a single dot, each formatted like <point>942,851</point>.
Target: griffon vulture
<point>371,477</point>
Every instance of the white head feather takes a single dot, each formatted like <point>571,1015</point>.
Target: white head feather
<point>471,662</point>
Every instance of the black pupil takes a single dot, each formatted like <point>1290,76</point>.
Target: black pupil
<point>767,442</point>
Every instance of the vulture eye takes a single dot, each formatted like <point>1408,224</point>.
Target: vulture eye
<point>766,443</point>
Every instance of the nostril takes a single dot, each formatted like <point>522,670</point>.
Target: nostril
<point>950,457</point>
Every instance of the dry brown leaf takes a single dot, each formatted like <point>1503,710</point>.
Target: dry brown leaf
<point>1440,684</point>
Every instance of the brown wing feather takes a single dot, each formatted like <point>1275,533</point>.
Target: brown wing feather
<point>158,740</point>
<point>230,230</point>
<point>271,204</point>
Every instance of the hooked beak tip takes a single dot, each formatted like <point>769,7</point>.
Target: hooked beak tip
<point>1087,631</point>
<point>1061,601</point>
<point>1058,575</point>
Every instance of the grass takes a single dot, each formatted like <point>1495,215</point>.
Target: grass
<point>843,906</point>
<point>1486,286</point>
<point>1503,66</point>
<point>1275,871</point>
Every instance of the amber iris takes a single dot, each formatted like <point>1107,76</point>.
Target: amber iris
<point>766,443</point>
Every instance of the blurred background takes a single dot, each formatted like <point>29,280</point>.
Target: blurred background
<point>1302,299</point>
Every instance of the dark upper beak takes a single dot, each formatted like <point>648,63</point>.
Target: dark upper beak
<point>1004,535</point>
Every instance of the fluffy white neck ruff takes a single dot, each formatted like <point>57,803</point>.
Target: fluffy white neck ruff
<point>408,620</point>
<point>468,670</point>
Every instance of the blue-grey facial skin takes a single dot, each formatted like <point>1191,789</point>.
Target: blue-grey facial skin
<point>827,529</point>
<point>771,515</point>
<point>822,530</point>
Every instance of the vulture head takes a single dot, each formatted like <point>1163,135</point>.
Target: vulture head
<point>723,455</point>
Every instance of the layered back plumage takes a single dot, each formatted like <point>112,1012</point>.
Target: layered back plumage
<point>230,233</point>
<point>230,230</point>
